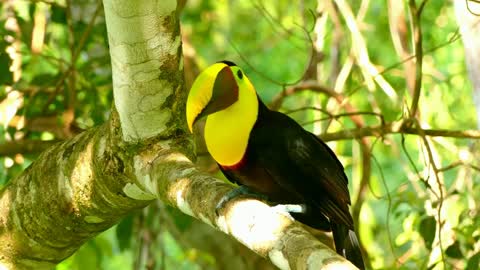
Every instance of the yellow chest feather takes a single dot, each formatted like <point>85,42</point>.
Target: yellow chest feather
<point>227,131</point>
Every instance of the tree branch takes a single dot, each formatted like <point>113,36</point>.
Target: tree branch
<point>396,128</point>
<point>25,147</point>
<point>270,234</point>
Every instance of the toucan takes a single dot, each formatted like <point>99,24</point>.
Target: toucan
<point>271,156</point>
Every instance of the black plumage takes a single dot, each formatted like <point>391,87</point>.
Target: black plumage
<point>290,165</point>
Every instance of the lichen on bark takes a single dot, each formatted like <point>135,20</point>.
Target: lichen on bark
<point>72,192</point>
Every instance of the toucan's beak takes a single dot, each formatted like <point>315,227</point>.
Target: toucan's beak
<point>224,92</point>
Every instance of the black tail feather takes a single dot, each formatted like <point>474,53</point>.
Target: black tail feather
<point>347,245</point>
<point>352,250</point>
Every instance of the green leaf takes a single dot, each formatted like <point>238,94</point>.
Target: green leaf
<point>6,77</point>
<point>45,79</point>
<point>124,232</point>
<point>3,95</point>
<point>454,251</point>
<point>59,14</point>
<point>473,262</point>
<point>427,230</point>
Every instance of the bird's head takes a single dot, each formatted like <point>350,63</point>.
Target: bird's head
<point>215,89</point>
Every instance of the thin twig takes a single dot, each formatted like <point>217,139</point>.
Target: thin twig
<point>337,116</point>
<point>451,166</point>
<point>389,207</point>
<point>81,44</point>
<point>412,164</point>
<point>307,85</point>
<point>70,101</point>
<point>314,86</point>
<point>440,191</point>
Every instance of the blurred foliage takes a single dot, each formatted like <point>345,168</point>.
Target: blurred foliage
<point>54,63</point>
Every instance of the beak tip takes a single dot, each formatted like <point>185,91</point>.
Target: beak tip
<point>190,125</point>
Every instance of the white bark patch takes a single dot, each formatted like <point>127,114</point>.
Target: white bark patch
<point>80,178</point>
<point>181,183</point>
<point>180,158</point>
<point>317,258</point>
<point>255,224</point>
<point>102,144</point>
<point>177,157</point>
<point>5,204</point>
<point>134,192</point>
<point>64,186</point>
<point>277,258</point>
<point>143,176</point>
<point>183,204</point>
<point>93,219</point>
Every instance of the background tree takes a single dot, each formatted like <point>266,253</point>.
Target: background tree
<point>382,81</point>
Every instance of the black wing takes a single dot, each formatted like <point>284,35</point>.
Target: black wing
<point>302,164</point>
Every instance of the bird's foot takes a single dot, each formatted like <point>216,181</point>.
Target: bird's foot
<point>239,191</point>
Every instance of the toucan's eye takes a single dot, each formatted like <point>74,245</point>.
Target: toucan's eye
<point>239,74</point>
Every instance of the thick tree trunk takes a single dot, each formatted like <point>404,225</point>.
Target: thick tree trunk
<point>83,186</point>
